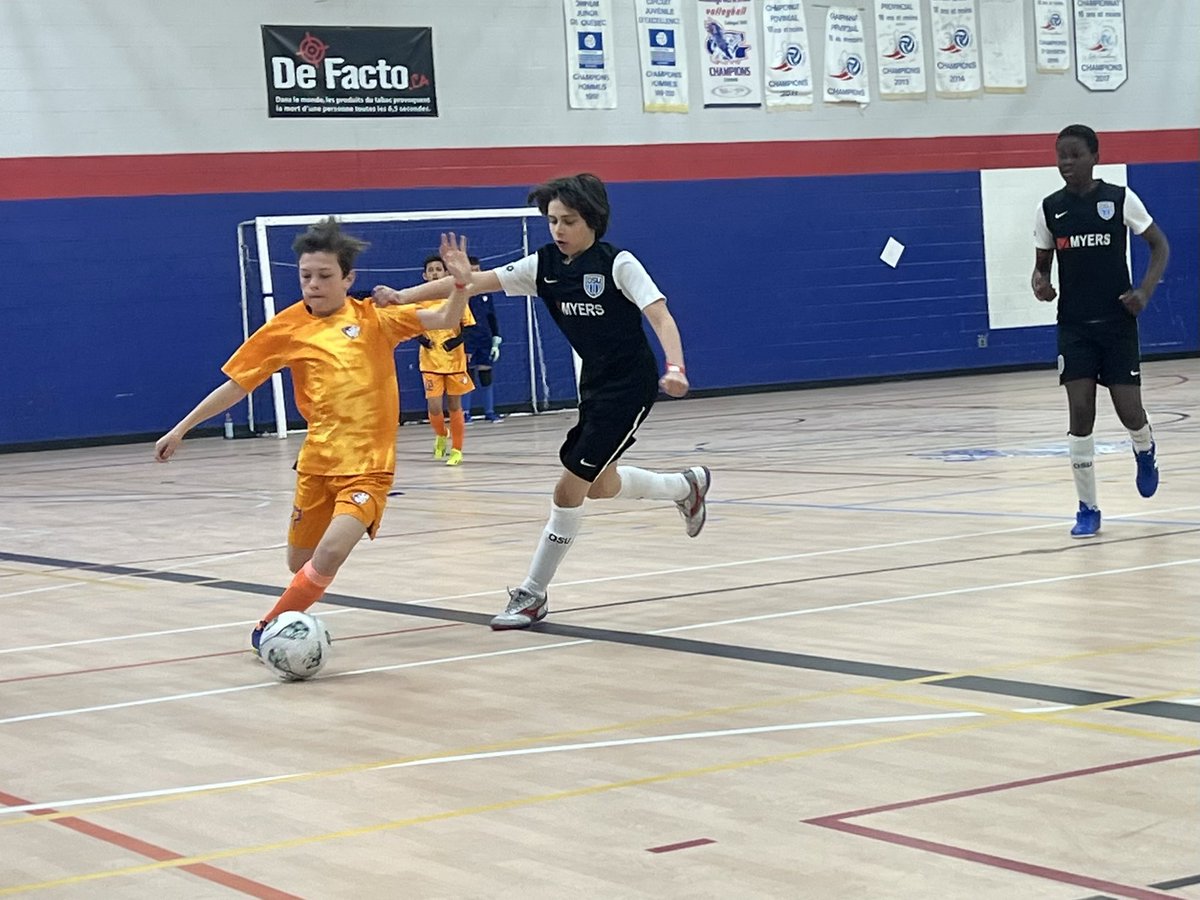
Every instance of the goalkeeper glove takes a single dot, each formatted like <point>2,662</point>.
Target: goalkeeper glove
<point>495,353</point>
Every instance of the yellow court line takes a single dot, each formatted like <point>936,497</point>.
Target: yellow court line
<point>517,803</point>
<point>1055,717</point>
<point>865,690</point>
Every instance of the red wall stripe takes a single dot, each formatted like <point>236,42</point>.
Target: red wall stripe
<point>29,178</point>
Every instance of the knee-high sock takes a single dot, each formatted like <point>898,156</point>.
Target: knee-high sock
<point>642,484</point>
<point>458,425</point>
<point>1142,437</point>
<point>1083,457</point>
<point>437,421</point>
<point>306,589</point>
<point>556,540</point>
<point>489,402</point>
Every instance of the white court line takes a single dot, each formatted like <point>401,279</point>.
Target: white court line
<point>430,601</point>
<point>524,751</point>
<point>539,647</point>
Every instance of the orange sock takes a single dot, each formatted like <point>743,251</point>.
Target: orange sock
<point>458,426</point>
<point>438,422</point>
<point>306,589</point>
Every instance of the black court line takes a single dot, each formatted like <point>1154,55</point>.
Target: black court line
<point>1028,690</point>
<point>1161,885</point>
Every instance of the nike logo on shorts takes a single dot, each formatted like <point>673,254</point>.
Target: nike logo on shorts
<point>1059,215</point>
<point>550,280</point>
<point>1135,372</point>
<point>584,462</point>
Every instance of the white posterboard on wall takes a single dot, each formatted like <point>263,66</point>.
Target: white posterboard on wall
<point>1010,198</point>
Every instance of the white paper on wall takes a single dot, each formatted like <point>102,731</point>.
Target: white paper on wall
<point>900,49</point>
<point>1052,23</point>
<point>662,48</point>
<point>787,59</point>
<point>731,54</point>
<point>1002,29</point>
<point>1100,63</point>
<point>846,78</point>
<point>1010,198</point>
<point>956,69</point>
<point>591,72</point>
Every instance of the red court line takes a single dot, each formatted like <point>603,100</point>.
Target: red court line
<point>682,845</point>
<point>157,853</point>
<point>837,822</point>
<point>48,177</point>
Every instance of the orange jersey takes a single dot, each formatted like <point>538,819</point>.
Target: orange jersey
<point>435,359</point>
<point>344,376</point>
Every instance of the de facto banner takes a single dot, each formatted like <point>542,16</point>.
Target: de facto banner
<point>324,71</point>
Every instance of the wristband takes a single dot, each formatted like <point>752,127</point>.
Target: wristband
<point>675,367</point>
<point>459,287</point>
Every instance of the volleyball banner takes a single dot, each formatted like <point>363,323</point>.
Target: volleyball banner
<point>845,57</point>
<point>1051,21</point>
<point>900,49</point>
<point>663,51</point>
<point>591,72</point>
<point>1002,23</point>
<point>956,71</point>
<point>731,54</point>
<point>330,71</point>
<point>786,56</point>
<point>1100,44</point>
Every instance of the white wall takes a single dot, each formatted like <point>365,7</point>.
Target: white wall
<point>82,77</point>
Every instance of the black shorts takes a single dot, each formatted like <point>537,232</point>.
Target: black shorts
<point>1106,351</point>
<point>605,430</point>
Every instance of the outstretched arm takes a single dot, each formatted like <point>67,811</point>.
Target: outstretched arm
<point>674,382</point>
<point>215,403</point>
<point>448,315</point>
<point>1135,300</point>
<point>478,283</point>
<point>1040,282</point>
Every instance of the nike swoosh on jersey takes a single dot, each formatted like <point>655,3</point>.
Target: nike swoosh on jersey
<point>550,280</point>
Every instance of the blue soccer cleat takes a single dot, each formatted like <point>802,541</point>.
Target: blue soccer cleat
<point>1147,471</point>
<point>1087,521</point>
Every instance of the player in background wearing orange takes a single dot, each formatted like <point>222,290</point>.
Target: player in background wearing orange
<point>443,365</point>
<point>344,376</point>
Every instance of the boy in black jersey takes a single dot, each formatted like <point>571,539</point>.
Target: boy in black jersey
<point>1086,224</point>
<point>597,295</point>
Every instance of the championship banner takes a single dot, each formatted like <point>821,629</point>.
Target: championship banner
<point>1002,23</point>
<point>731,54</point>
<point>899,49</point>
<point>786,56</point>
<point>591,74</point>
<point>1051,19</point>
<point>1100,44</point>
<point>663,51</point>
<point>328,71</point>
<point>845,57</point>
<point>955,48</point>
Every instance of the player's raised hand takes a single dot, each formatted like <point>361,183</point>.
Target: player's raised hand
<point>453,252</point>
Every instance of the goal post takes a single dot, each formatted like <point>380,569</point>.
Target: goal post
<point>536,371</point>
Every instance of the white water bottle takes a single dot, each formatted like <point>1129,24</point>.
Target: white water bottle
<point>228,427</point>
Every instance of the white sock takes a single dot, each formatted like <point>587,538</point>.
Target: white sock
<point>1142,438</point>
<point>556,540</point>
<point>1083,458</point>
<point>642,484</point>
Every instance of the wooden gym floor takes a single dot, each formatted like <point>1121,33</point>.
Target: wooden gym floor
<point>884,669</point>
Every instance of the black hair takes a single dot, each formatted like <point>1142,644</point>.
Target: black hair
<point>473,260</point>
<point>1084,133</point>
<point>327,236</point>
<point>584,193</point>
<point>432,257</point>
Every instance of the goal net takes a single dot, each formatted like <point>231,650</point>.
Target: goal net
<point>536,369</point>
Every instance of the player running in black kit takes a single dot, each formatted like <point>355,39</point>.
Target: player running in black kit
<point>597,295</point>
<point>1086,223</point>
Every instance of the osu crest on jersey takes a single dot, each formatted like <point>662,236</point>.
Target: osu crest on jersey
<point>593,285</point>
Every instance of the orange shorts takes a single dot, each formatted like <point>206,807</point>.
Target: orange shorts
<point>321,497</point>
<point>455,384</point>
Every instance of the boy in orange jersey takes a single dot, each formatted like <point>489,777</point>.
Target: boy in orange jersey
<point>340,352</point>
<point>443,365</point>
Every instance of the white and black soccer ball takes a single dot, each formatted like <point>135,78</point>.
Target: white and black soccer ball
<point>295,646</point>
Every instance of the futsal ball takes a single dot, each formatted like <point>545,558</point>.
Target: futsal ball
<point>295,646</point>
